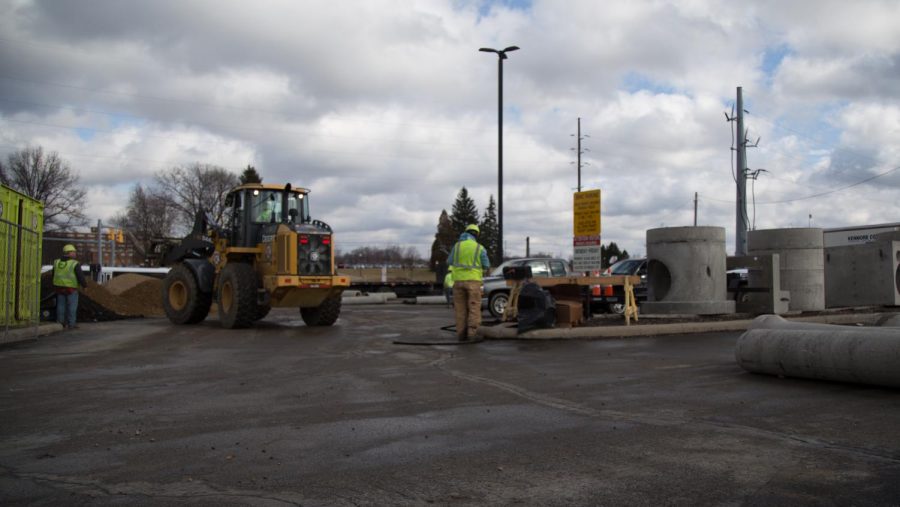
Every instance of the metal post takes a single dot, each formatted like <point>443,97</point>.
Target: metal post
<point>500,155</point>
<point>740,236</point>
<point>36,299</point>
<point>501,55</point>
<point>99,242</point>
<point>9,279</point>
<point>527,246</point>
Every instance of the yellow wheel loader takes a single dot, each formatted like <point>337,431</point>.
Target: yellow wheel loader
<point>269,253</point>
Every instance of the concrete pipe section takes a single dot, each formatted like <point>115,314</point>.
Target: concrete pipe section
<point>778,322</point>
<point>686,271</point>
<point>802,259</point>
<point>821,351</point>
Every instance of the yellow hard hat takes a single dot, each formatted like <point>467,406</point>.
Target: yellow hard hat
<point>69,248</point>
<point>474,228</point>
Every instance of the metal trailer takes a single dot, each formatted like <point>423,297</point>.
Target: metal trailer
<point>21,234</point>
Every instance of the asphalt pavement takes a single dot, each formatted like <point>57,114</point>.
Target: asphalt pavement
<point>141,412</point>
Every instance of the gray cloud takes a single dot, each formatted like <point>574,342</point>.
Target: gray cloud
<point>385,113</point>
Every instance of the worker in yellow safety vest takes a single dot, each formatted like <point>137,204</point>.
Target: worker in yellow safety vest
<point>469,261</point>
<point>67,277</point>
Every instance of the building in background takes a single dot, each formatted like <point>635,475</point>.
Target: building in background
<point>857,235</point>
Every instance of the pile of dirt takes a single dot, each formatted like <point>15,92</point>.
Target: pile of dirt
<point>94,303</point>
<point>145,297</point>
<point>125,297</point>
<point>122,283</point>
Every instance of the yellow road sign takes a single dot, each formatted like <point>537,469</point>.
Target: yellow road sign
<point>586,212</point>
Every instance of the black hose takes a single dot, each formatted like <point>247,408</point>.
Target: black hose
<point>451,328</point>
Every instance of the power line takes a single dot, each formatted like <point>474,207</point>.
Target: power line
<point>836,189</point>
<point>813,196</point>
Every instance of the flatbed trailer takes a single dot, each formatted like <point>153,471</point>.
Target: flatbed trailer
<point>402,289</point>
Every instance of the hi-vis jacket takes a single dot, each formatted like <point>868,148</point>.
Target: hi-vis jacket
<point>67,274</point>
<point>468,259</point>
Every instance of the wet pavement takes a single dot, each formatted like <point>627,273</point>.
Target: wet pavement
<point>141,412</point>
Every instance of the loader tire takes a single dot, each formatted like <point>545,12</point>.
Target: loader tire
<point>237,295</point>
<point>325,314</point>
<point>182,298</point>
<point>262,311</point>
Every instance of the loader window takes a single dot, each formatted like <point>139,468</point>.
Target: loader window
<point>299,202</point>
<point>265,206</point>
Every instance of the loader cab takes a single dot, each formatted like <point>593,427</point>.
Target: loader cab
<point>256,210</point>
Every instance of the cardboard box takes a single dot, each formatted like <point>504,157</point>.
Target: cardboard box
<point>569,313</point>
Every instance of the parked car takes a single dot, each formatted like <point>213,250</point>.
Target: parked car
<point>611,298</point>
<point>495,292</point>
<point>737,280</point>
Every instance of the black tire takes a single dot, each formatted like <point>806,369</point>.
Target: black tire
<point>497,303</point>
<point>237,295</point>
<point>325,314</point>
<point>262,311</point>
<point>182,298</point>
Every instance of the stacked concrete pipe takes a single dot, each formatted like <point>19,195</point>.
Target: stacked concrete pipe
<point>686,271</point>
<point>867,355</point>
<point>802,263</point>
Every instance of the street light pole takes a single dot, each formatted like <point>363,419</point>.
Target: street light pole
<point>501,55</point>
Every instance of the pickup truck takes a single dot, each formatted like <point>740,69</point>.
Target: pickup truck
<point>495,292</point>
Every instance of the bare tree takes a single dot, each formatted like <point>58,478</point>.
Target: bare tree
<point>412,257</point>
<point>47,178</point>
<point>148,216</point>
<point>120,220</point>
<point>195,189</point>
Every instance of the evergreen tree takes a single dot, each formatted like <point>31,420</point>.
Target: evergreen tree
<point>607,252</point>
<point>464,212</point>
<point>490,233</point>
<point>444,239</point>
<point>250,176</point>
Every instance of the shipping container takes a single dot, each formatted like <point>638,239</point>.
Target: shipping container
<point>21,235</point>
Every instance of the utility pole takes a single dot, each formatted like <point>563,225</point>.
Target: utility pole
<point>579,151</point>
<point>740,176</point>
<point>579,154</point>
<point>527,246</point>
<point>695,209</point>
<point>740,246</point>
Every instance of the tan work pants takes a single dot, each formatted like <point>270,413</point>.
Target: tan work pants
<point>467,303</point>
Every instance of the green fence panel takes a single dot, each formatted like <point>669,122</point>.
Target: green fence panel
<point>21,236</point>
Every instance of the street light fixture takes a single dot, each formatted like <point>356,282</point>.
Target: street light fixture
<point>501,55</point>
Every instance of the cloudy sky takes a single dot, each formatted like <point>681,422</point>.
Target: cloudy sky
<point>385,108</point>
